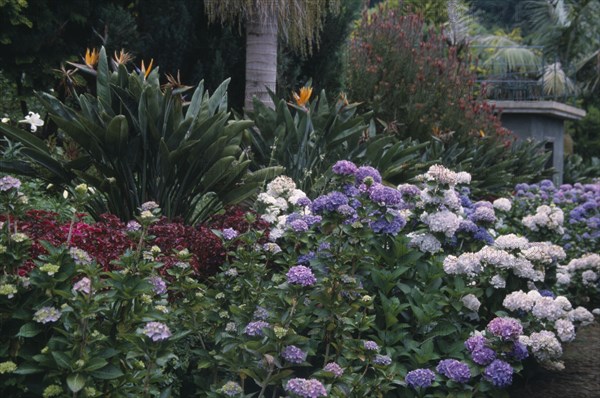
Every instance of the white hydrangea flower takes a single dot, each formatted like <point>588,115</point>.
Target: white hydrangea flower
<point>452,200</point>
<point>424,242</point>
<point>502,204</point>
<point>496,257</point>
<point>498,282</point>
<point>545,346</point>
<point>518,301</point>
<point>471,302</point>
<point>511,242</point>
<point>581,315</point>
<point>465,264</point>
<point>442,221</point>
<point>565,330</point>
<point>281,187</point>
<point>545,308</point>
<point>550,217</point>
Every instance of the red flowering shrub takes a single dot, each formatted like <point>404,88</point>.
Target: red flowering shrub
<point>414,81</point>
<point>107,239</point>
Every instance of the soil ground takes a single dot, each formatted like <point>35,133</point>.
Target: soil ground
<point>581,377</point>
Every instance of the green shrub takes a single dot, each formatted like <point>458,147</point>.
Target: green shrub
<point>139,143</point>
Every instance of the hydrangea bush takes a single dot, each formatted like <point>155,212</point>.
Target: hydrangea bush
<point>365,290</point>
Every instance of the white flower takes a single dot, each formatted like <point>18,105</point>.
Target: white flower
<point>518,301</point>
<point>511,242</point>
<point>424,242</point>
<point>471,302</point>
<point>565,330</point>
<point>5,120</point>
<point>502,204</point>
<point>34,120</point>
<point>545,346</point>
<point>498,282</point>
<point>443,221</point>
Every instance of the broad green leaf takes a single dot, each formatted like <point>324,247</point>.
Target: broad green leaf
<point>76,382</point>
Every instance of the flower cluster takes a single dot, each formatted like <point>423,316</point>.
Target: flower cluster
<point>157,331</point>
<point>306,388</point>
<point>301,275</point>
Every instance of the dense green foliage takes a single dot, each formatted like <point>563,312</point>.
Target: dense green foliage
<point>137,143</point>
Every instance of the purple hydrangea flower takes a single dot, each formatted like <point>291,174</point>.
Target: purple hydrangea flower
<point>505,328</point>
<point>519,351</point>
<point>133,226</point>
<point>299,226</point>
<point>387,225</point>
<point>159,286</point>
<point>483,355</point>
<point>344,167</point>
<point>303,202</point>
<point>229,233</point>
<point>382,360</point>
<point>256,328</point>
<point>8,182</point>
<point>329,202</point>
<point>370,345</point>
<point>47,314</point>
<point>305,259</point>
<point>306,388</point>
<point>157,331</point>
<point>499,373</point>
<point>367,171</point>
<point>84,285</point>
<point>260,313</point>
<point>149,206</point>
<point>301,275</point>
<point>420,378</point>
<point>334,368</point>
<point>454,370</point>
<point>293,354</point>
<point>475,342</point>
<point>385,196</point>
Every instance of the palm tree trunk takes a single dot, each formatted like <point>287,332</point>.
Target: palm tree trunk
<point>261,58</point>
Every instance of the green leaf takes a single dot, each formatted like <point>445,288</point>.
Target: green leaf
<point>30,329</point>
<point>109,372</point>
<point>103,80</point>
<point>76,382</point>
<point>27,369</point>
<point>62,360</point>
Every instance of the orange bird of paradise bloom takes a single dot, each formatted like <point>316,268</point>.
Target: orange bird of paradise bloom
<point>91,57</point>
<point>145,71</point>
<point>303,96</point>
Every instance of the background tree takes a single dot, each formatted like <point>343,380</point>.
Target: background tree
<point>299,21</point>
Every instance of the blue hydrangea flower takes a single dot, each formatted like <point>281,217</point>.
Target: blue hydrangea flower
<point>329,202</point>
<point>499,373</point>
<point>370,345</point>
<point>483,355</point>
<point>256,328</point>
<point>260,313</point>
<point>382,360</point>
<point>519,351</point>
<point>385,196</point>
<point>420,378</point>
<point>159,286</point>
<point>229,233</point>
<point>293,354</point>
<point>344,167</point>
<point>367,171</point>
<point>475,342</point>
<point>454,370</point>
<point>301,275</point>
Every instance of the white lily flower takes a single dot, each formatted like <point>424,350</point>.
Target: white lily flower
<point>5,120</point>
<point>34,120</point>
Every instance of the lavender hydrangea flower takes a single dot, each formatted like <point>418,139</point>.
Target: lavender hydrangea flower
<point>229,233</point>
<point>519,351</point>
<point>298,225</point>
<point>389,226</point>
<point>505,328</point>
<point>8,182</point>
<point>149,206</point>
<point>385,196</point>
<point>260,313</point>
<point>157,331</point>
<point>329,202</point>
<point>293,354</point>
<point>301,275</point>
<point>499,373</point>
<point>46,314</point>
<point>80,256</point>
<point>367,171</point>
<point>344,167</point>
<point>159,286</point>
<point>334,368</point>
<point>370,345</point>
<point>475,342</point>
<point>256,328</point>
<point>382,360</point>
<point>420,378</point>
<point>454,370</point>
<point>133,226</point>
<point>306,388</point>
<point>483,355</point>
<point>84,285</point>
